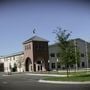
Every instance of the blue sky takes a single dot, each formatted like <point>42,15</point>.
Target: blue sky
<point>18,19</point>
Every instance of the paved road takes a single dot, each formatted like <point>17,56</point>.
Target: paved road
<point>26,82</point>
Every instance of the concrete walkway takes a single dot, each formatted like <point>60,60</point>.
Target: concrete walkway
<point>64,82</point>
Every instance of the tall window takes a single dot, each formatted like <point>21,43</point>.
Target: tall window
<point>83,64</point>
<point>52,54</point>
<point>53,65</point>
<point>40,47</point>
<point>27,47</point>
<point>82,54</point>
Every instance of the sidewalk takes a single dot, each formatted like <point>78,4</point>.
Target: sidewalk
<point>53,75</point>
<point>63,82</point>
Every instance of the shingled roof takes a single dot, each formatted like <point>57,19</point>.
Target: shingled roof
<point>35,38</point>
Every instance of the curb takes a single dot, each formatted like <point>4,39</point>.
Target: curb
<point>53,75</point>
<point>63,82</point>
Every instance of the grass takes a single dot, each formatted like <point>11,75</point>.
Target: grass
<point>79,77</point>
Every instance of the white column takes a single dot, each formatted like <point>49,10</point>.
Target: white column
<point>36,67</point>
<point>30,67</point>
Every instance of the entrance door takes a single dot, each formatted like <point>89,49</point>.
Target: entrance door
<point>1,67</point>
<point>28,64</point>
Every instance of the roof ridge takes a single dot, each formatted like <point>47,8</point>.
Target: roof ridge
<point>35,38</point>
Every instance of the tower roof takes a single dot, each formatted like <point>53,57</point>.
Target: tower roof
<point>35,38</point>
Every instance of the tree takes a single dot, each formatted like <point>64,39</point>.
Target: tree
<point>67,48</point>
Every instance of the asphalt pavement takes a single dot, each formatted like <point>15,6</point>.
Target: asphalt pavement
<point>29,82</point>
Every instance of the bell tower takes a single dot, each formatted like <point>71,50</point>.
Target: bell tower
<point>36,54</point>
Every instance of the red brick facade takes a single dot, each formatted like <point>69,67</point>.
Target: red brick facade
<point>36,55</point>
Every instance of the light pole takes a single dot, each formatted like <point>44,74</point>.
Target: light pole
<point>49,65</point>
<point>75,55</point>
<point>86,55</point>
<point>57,64</point>
<point>41,65</point>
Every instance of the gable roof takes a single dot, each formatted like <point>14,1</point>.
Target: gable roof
<point>35,38</point>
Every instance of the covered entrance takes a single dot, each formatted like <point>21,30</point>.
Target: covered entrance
<point>28,65</point>
<point>40,65</point>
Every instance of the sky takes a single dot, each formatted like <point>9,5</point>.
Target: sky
<point>18,18</point>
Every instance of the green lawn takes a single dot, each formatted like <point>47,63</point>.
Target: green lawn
<point>84,77</point>
<point>64,73</point>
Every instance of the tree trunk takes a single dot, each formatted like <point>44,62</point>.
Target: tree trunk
<point>67,71</point>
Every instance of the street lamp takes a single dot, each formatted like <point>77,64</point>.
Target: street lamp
<point>49,65</point>
<point>86,55</point>
<point>57,64</point>
<point>75,54</point>
<point>41,65</point>
<point>48,61</point>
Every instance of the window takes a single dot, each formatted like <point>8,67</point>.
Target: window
<point>52,55</point>
<point>27,47</point>
<point>38,62</point>
<point>40,47</point>
<point>82,55</point>
<point>83,64</point>
<point>53,65</point>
